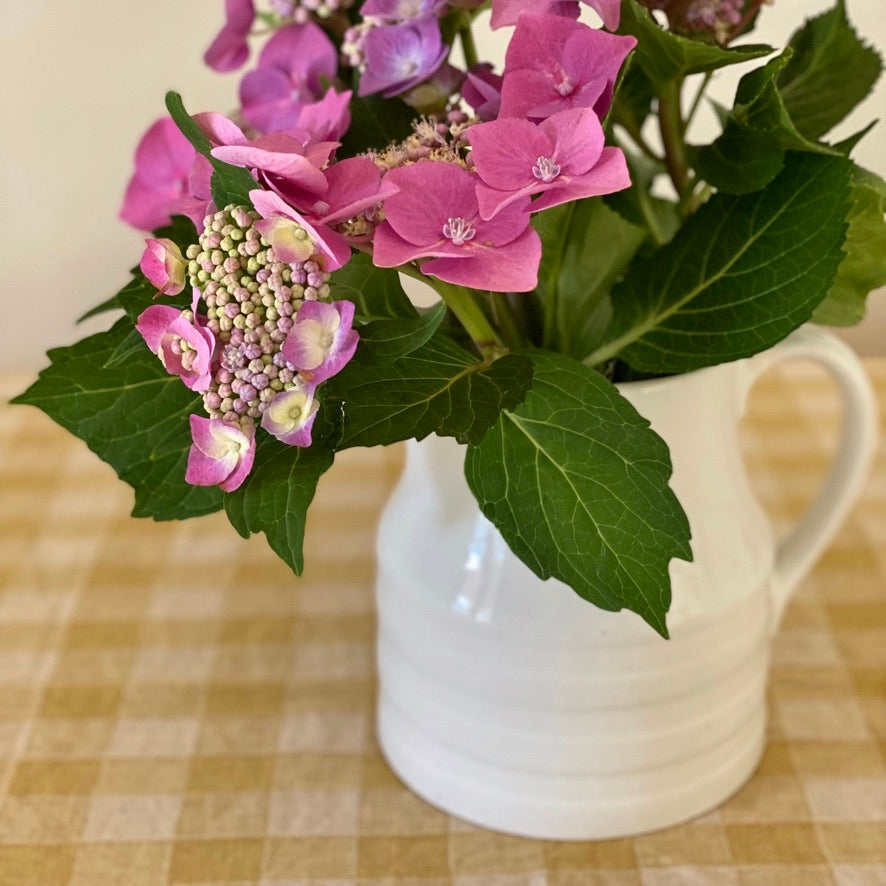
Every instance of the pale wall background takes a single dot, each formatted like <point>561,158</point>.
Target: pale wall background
<point>79,83</point>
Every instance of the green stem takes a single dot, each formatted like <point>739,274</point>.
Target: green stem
<point>506,319</point>
<point>465,305</point>
<point>553,280</point>
<point>466,35</point>
<point>672,132</point>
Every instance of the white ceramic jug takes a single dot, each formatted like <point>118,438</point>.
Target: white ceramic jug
<point>514,704</point>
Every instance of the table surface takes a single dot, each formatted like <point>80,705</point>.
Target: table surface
<point>176,708</point>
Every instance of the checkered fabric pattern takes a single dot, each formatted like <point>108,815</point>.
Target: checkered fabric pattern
<point>176,708</point>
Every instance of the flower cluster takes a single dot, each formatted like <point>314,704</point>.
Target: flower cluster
<point>452,200</point>
<point>269,336</point>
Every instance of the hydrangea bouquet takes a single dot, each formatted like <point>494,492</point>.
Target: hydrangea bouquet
<point>574,234</point>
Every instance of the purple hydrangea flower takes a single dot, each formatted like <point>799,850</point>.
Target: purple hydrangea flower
<point>293,70</point>
<point>322,340</point>
<point>221,455</point>
<point>399,57</point>
<point>401,10</point>
<point>435,216</point>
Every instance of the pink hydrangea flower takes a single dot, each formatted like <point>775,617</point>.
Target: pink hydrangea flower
<point>330,247</point>
<point>435,215</point>
<point>293,69</point>
<point>354,185</point>
<point>159,187</point>
<point>290,415</point>
<point>322,340</point>
<point>283,162</point>
<point>554,63</point>
<point>185,348</point>
<point>164,265</point>
<point>507,12</point>
<point>401,56</point>
<point>562,158</point>
<point>229,49</point>
<point>326,120</point>
<point>221,455</point>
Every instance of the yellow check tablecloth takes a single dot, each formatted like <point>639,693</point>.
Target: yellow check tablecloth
<point>176,708</point>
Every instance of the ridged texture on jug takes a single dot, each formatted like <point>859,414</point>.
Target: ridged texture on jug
<point>524,736</point>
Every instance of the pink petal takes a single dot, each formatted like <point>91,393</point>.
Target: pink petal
<point>492,201</point>
<point>609,10</point>
<point>430,193</point>
<point>294,167</point>
<point>327,119</point>
<point>355,184</point>
<point>332,248</point>
<point>304,49</point>
<point>154,321</point>
<point>609,175</point>
<point>577,139</point>
<point>163,154</point>
<point>221,455</point>
<point>290,416</point>
<point>390,250</point>
<point>219,129</point>
<point>505,150</point>
<point>268,100</point>
<point>146,207</point>
<point>507,12</point>
<point>229,49</point>
<point>509,268</point>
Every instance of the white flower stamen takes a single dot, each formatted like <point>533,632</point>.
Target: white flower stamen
<point>546,169</point>
<point>459,231</point>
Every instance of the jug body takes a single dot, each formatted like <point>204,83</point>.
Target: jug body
<point>513,703</point>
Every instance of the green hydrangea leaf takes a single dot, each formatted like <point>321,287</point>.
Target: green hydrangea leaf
<point>665,56</point>
<point>132,414</point>
<point>830,71</point>
<point>864,266</point>
<point>386,340</point>
<point>274,498</point>
<point>741,160</point>
<point>741,274</point>
<point>376,122</point>
<point>582,257</point>
<point>229,184</point>
<point>759,105</point>
<point>577,484</point>
<point>660,218</point>
<point>376,292</point>
<point>438,388</point>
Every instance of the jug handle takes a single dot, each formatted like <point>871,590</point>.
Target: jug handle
<point>797,554</point>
